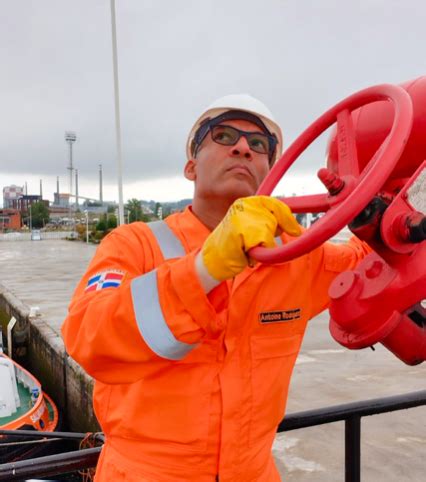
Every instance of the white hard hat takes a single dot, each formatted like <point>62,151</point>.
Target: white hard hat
<point>238,102</point>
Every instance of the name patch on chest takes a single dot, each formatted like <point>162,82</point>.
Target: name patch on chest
<point>279,316</point>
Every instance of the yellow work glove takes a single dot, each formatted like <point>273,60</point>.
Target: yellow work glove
<point>249,222</point>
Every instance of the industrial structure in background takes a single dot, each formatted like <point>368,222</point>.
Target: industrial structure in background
<point>101,196</point>
<point>10,219</point>
<point>69,205</point>
<point>17,206</point>
<point>70,138</point>
<point>17,203</point>
<point>10,194</point>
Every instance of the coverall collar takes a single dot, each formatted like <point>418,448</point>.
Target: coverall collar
<point>193,230</point>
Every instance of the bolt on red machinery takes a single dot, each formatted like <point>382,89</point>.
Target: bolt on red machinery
<point>376,183</point>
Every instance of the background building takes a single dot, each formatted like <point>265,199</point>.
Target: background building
<point>23,203</point>
<point>58,214</point>
<point>9,219</point>
<point>11,194</point>
<point>61,199</point>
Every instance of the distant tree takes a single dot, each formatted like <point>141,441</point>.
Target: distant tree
<point>111,209</point>
<point>39,215</point>
<point>81,231</point>
<point>167,210</point>
<point>102,223</point>
<point>112,221</point>
<point>134,208</point>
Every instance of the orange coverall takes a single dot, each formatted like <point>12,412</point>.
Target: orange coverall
<point>189,386</point>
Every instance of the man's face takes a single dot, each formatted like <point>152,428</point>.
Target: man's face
<point>228,172</point>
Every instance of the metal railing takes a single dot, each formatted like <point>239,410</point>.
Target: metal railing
<point>50,465</point>
<point>350,413</point>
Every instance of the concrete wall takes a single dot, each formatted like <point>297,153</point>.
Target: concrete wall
<point>12,306</point>
<point>26,236</point>
<point>39,349</point>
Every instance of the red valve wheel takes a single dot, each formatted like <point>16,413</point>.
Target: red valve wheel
<point>349,190</point>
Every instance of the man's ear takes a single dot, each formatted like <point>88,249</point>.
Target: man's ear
<point>190,170</point>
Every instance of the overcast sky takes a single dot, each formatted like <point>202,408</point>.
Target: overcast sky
<point>176,57</point>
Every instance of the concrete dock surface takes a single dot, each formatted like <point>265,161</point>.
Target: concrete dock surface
<point>393,446</point>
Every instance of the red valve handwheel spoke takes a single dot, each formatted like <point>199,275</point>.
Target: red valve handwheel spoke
<point>347,200</point>
<point>314,203</point>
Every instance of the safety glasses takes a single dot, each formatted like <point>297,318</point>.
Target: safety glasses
<point>257,141</point>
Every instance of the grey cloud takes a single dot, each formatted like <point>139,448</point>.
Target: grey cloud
<point>174,59</point>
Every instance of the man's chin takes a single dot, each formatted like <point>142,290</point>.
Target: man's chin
<point>240,191</point>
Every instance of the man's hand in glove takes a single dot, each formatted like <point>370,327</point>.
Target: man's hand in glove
<point>249,222</point>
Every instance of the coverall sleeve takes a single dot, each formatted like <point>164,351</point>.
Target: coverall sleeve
<point>327,262</point>
<point>111,331</point>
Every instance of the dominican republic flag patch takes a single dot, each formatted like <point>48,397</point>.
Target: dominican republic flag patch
<point>106,279</point>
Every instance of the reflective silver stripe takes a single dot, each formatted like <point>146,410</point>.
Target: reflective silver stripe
<point>151,322</point>
<point>169,243</point>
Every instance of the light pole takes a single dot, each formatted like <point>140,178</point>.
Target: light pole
<point>86,212</point>
<point>117,117</point>
<point>31,220</point>
<point>70,138</point>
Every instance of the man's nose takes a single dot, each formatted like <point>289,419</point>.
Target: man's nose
<point>241,149</point>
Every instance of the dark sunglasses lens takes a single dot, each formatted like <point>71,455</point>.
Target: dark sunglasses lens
<point>225,135</point>
<point>258,143</point>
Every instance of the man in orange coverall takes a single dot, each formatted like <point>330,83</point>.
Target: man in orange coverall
<point>190,343</point>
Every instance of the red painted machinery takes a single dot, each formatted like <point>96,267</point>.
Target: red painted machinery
<point>376,183</point>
